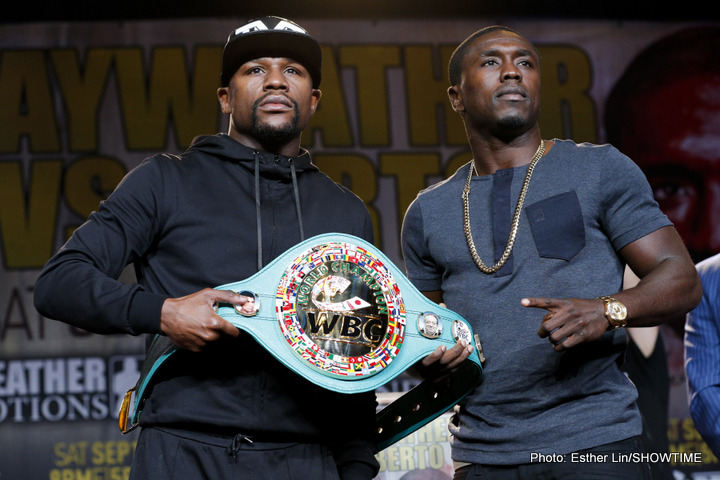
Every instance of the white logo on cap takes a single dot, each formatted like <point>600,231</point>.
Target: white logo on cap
<point>260,25</point>
<point>283,25</point>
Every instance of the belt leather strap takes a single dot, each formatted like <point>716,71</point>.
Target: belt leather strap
<point>338,312</point>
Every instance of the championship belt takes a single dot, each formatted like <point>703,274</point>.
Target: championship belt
<point>336,311</point>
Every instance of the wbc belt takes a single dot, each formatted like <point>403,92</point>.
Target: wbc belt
<point>338,312</point>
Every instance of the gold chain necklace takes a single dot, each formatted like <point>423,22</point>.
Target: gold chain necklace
<point>515,221</point>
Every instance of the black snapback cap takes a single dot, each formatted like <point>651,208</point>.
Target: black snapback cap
<point>271,37</point>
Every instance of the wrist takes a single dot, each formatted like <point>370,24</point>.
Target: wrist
<point>615,312</point>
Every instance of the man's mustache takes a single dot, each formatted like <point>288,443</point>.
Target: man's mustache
<point>259,101</point>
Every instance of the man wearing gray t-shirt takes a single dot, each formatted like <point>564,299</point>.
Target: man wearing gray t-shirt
<point>529,242</point>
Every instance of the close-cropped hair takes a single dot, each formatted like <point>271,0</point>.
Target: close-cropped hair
<point>458,56</point>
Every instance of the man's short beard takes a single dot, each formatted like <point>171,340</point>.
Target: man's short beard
<point>271,135</point>
<point>512,123</point>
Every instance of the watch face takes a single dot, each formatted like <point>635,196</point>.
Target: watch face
<point>616,311</point>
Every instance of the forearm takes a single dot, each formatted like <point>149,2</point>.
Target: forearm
<point>72,290</point>
<point>80,286</point>
<point>669,285</point>
<point>665,294</point>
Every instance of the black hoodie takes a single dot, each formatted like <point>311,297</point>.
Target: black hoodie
<point>189,222</point>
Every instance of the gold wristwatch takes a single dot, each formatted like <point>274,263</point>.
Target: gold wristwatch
<point>615,312</point>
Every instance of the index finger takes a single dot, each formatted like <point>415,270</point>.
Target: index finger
<point>540,302</point>
<point>228,296</point>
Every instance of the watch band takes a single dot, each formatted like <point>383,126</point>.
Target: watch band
<point>338,312</point>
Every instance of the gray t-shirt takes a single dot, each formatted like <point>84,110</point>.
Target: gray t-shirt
<point>584,204</point>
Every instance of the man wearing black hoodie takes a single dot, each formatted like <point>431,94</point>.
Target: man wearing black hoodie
<point>222,406</point>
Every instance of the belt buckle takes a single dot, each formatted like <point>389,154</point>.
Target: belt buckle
<point>341,311</point>
<point>125,420</point>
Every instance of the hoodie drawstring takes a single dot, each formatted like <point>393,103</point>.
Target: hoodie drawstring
<point>236,443</point>
<point>258,211</point>
<point>296,191</point>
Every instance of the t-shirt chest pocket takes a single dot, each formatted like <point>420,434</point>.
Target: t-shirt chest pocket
<point>557,226</point>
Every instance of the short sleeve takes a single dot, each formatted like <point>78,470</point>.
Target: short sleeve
<point>421,268</point>
<point>629,209</point>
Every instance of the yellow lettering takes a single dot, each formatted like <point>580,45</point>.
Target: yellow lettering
<point>392,460</point>
<point>202,115</point>
<point>568,110</point>
<point>689,432</point>
<point>457,161</point>
<point>27,226</point>
<point>436,456</point>
<point>26,106</point>
<point>89,181</point>
<point>425,434</point>
<point>426,91</point>
<point>98,453</point>
<point>148,104</point>
<point>81,88</point>
<point>673,429</point>
<point>111,452</point>
<point>70,453</point>
<point>371,63</point>
<point>407,457</point>
<point>421,456</point>
<point>410,172</point>
<point>381,457</point>
<point>331,117</point>
<point>123,451</point>
<point>441,430</point>
<point>357,173</point>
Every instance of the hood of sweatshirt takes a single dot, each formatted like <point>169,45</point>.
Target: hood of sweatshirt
<point>269,165</point>
<point>261,164</point>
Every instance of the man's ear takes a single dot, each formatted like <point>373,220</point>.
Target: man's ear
<point>223,94</point>
<point>455,99</point>
<point>316,94</point>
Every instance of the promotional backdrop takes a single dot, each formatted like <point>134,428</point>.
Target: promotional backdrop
<point>83,103</point>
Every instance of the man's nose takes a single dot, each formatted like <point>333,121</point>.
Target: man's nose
<point>510,71</point>
<point>275,80</point>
